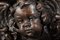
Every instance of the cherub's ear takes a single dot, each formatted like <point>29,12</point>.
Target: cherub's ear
<point>3,6</point>
<point>40,0</point>
<point>53,4</point>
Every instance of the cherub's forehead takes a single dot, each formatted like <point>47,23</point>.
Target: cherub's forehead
<point>26,1</point>
<point>23,0</point>
<point>22,14</point>
<point>26,11</point>
<point>25,14</point>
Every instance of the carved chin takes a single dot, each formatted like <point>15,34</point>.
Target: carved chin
<point>29,34</point>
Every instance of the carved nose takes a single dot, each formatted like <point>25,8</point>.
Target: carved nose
<point>27,25</point>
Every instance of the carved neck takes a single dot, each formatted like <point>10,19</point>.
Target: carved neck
<point>30,38</point>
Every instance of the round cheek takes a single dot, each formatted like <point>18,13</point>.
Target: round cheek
<point>37,26</point>
<point>21,29</point>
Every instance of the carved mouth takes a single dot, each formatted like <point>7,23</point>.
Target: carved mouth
<point>29,32</point>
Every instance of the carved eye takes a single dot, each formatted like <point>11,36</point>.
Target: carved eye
<point>25,5</point>
<point>20,20</point>
<point>31,18</point>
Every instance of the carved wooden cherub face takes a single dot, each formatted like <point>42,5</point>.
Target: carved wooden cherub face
<point>28,20</point>
<point>22,0</point>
